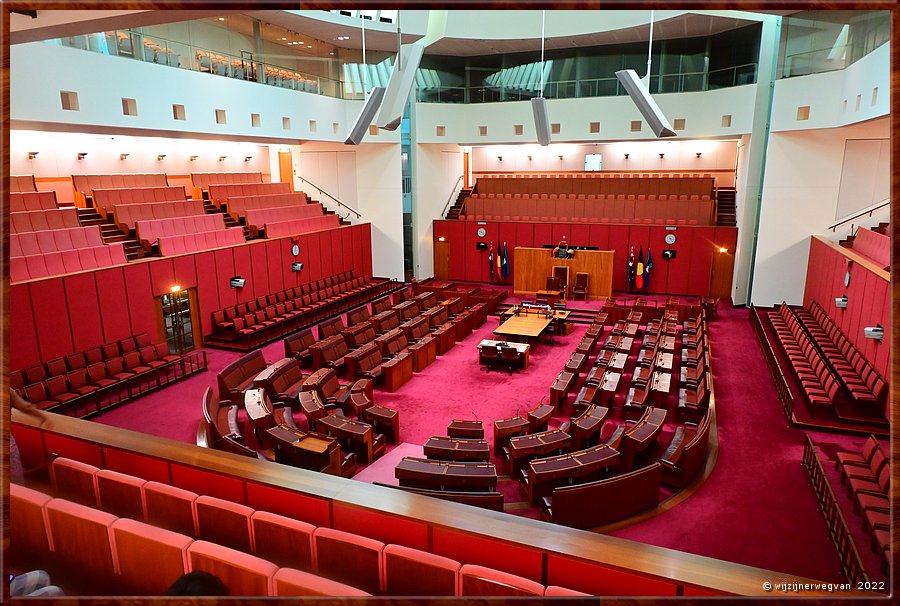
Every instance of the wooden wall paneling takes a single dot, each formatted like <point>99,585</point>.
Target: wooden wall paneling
<point>54,334</point>
<point>525,234</point>
<point>244,269</point>
<point>543,234</point>
<point>702,250</point>
<point>599,236</point>
<point>185,271</point>
<point>535,264</point>
<point>381,526</point>
<point>336,250</point>
<point>312,246</point>
<point>659,273</point>
<point>162,276</point>
<point>83,308</point>
<point>113,301</point>
<point>456,242</point>
<point>474,258</point>
<point>347,234</point>
<point>207,289</point>
<point>618,242</point>
<point>259,270</point>
<point>279,266</point>
<point>224,272</point>
<point>25,351</point>
<point>487,552</point>
<point>581,235</point>
<point>367,248</point>
<point>142,306</point>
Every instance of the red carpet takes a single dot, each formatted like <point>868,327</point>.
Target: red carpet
<point>757,508</point>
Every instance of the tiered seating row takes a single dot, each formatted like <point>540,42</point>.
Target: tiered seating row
<point>42,265</point>
<point>274,315</point>
<point>22,183</point>
<point>873,245</point>
<point>126,216</point>
<point>105,199</point>
<point>817,381</point>
<point>85,184</point>
<point>26,201</point>
<point>149,231</point>
<point>42,220</point>
<point>42,242</point>
<point>253,552</point>
<point>855,372</point>
<point>590,184</point>
<point>219,192</point>
<point>188,243</point>
<point>201,181</point>
<point>87,382</point>
<point>238,205</point>
<point>682,210</point>
<point>294,227</point>
<point>257,219</point>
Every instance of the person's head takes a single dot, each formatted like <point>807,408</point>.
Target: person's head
<point>198,583</point>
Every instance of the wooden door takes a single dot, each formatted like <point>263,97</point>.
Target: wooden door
<point>466,170</point>
<point>722,275</point>
<point>286,168</point>
<point>441,260</point>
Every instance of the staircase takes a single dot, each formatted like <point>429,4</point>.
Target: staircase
<point>110,232</point>
<point>327,211</point>
<point>453,212</point>
<point>210,209</point>
<point>883,228</point>
<point>726,214</point>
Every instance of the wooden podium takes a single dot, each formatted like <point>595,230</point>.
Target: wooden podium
<point>534,265</point>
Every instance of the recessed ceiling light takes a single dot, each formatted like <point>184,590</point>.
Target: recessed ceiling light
<point>284,38</point>
<point>309,46</point>
<point>330,53</point>
<point>221,18</point>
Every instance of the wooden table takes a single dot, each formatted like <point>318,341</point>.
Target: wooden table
<point>664,360</point>
<point>444,475</point>
<point>540,416</point>
<point>525,327</point>
<point>407,310</point>
<point>313,407</point>
<point>423,352</point>
<point>576,363</point>
<point>543,475</point>
<point>584,427</point>
<point>637,438</point>
<point>522,348</point>
<point>259,410</point>
<point>311,451</point>
<point>445,448</point>
<point>385,421</point>
<point>465,429</point>
<point>398,372</point>
<point>524,448</point>
<point>359,436</point>
<point>552,296</point>
<point>560,389</point>
<point>506,428</point>
<point>660,385</point>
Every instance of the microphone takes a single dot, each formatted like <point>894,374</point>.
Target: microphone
<point>474,415</point>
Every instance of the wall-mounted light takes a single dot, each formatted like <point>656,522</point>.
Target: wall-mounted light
<point>123,156</point>
<point>222,158</point>
<point>176,288</point>
<point>723,250</point>
<point>32,155</point>
<point>82,155</point>
<point>194,158</point>
<point>841,302</point>
<point>874,332</point>
<point>529,158</point>
<point>500,158</point>
<point>442,239</point>
<point>247,158</point>
<point>160,156</point>
<point>662,155</point>
<point>699,154</point>
<point>626,156</point>
<point>560,157</point>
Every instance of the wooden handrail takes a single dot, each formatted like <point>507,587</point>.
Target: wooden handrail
<point>302,178</point>
<point>867,211</point>
<point>450,199</point>
<point>654,563</point>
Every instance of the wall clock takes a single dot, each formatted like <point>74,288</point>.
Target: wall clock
<point>295,249</point>
<point>670,239</point>
<point>482,232</point>
<point>847,279</point>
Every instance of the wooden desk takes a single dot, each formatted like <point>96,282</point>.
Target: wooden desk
<point>384,420</point>
<point>560,389</point>
<point>407,310</point>
<point>533,265</point>
<point>506,428</point>
<point>313,407</point>
<point>397,371</point>
<point>539,417</point>
<point>457,449</point>
<point>424,352</point>
<point>552,296</point>
<point>525,327</point>
<point>664,361</point>
<point>543,475</point>
<point>259,410</point>
<point>576,363</point>
<point>446,475</point>
<point>522,348</point>
<point>587,425</point>
<point>465,429</point>
<point>359,436</point>
<point>524,448</point>
<point>311,451</point>
<point>660,385</point>
<point>637,438</point>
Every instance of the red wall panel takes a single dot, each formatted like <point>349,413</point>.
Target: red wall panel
<point>507,234</point>
<point>347,234</point>
<point>73,448</point>
<point>659,273</point>
<point>441,228</point>
<point>207,289</point>
<point>132,463</point>
<point>286,503</point>
<point>260,269</point>
<point>23,351</point>
<point>381,526</point>
<point>141,304</point>
<point>243,269</point>
<point>543,234</point>
<point>475,259</point>
<point>279,266</point>
<point>599,236</point>
<point>326,255</point>
<point>48,297</point>
<point>559,230</point>
<point>114,303</point>
<point>336,250</point>
<point>224,272</point>
<point>208,483</point>
<point>185,271</point>
<point>581,235</point>
<point>456,237</point>
<point>367,249</point>
<point>600,581</point>
<point>525,235</point>
<point>618,241</point>
<point>487,552</point>
<point>702,249</point>
<point>162,276</point>
<point>84,308</point>
<point>358,250</point>
<point>310,242</point>
<point>679,267</point>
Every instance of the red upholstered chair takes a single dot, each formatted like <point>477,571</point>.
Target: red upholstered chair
<point>36,393</point>
<point>149,559</point>
<point>81,542</point>
<point>349,558</point>
<point>29,536</point>
<point>291,582</point>
<point>74,480</point>
<point>224,522</point>
<point>559,592</point>
<point>242,573</point>
<point>98,376</point>
<point>282,540</point>
<point>170,507</point>
<point>115,368</point>
<point>120,494</point>
<point>858,459</point>
<point>413,572</point>
<point>58,389</point>
<point>80,383</point>
<point>481,581</point>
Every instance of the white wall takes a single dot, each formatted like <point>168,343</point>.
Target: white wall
<point>702,112</point>
<point>680,155</point>
<point>366,178</point>
<point>436,171</point>
<point>800,193</point>
<point>101,82</point>
<point>825,94</point>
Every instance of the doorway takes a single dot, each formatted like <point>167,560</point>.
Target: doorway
<point>441,260</point>
<point>722,274</point>
<point>286,168</point>
<point>178,321</point>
